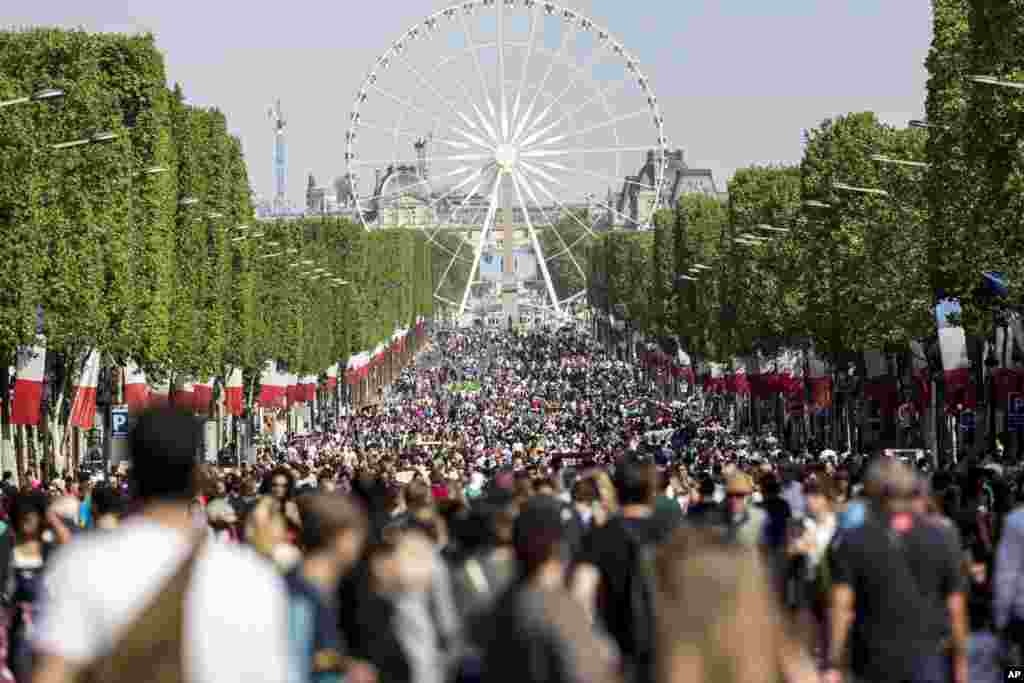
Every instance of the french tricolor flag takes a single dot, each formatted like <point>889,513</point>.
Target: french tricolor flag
<point>136,391</point>
<point>183,395</point>
<point>233,400</point>
<point>159,393</point>
<point>292,389</point>
<point>28,387</point>
<point>203,395</point>
<point>952,348</point>
<point>273,386</point>
<point>307,388</point>
<point>83,409</point>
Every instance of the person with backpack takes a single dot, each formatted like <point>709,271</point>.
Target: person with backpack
<point>898,609</point>
<point>616,568</point>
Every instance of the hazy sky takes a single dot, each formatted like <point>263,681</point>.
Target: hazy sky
<point>738,80</point>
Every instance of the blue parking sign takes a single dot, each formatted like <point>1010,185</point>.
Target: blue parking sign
<point>119,422</point>
<point>1015,411</point>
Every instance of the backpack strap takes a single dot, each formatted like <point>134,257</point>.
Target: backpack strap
<point>151,647</point>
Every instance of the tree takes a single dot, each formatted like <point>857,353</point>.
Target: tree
<point>763,279</point>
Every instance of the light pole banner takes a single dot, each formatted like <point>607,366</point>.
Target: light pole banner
<point>952,348</point>
<point>233,393</point>
<point>136,391</point>
<point>83,409</point>
<point>28,387</point>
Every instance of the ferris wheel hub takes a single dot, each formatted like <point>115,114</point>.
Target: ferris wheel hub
<point>506,156</point>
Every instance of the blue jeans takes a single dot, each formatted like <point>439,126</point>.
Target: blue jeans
<point>932,669</point>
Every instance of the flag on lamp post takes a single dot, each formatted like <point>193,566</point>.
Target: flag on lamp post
<point>136,391</point>
<point>953,350</point>
<point>308,393</point>
<point>233,399</point>
<point>159,393</point>
<point>273,386</point>
<point>83,409</point>
<point>183,394</point>
<point>291,390</point>
<point>28,387</point>
<point>202,393</point>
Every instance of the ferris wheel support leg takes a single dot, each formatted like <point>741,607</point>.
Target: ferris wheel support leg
<point>536,247</point>
<point>492,210</point>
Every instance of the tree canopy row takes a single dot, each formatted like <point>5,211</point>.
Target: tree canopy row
<point>141,242</point>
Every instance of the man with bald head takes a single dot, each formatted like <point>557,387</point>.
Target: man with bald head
<point>898,595</point>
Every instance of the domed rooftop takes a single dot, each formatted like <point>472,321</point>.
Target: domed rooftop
<point>399,181</point>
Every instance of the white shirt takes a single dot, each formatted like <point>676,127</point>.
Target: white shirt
<point>236,618</point>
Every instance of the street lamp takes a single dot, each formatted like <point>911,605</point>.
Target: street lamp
<point>189,201</point>
<point>155,170</point>
<point>105,136</point>
<point>992,80</point>
<point>772,228</point>
<point>862,190</point>
<point>882,159</point>
<point>38,96</point>
<point>815,204</point>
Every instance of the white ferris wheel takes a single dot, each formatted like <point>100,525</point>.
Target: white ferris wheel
<point>507,127</point>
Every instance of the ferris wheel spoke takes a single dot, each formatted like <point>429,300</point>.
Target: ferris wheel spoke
<point>405,103</point>
<point>457,157</point>
<point>580,74</point>
<point>465,200</point>
<point>479,142</point>
<point>492,209</point>
<point>532,41</point>
<point>455,188</point>
<point>536,244</point>
<point>602,95</point>
<point>437,93</point>
<point>539,153</point>
<point>591,129</point>
<point>447,250</point>
<point>420,183</point>
<point>600,176</point>
<point>533,102</point>
<point>551,196</point>
<point>446,301</point>
<point>561,184</point>
<point>413,136</point>
<point>485,122</point>
<point>554,227</point>
<point>444,276</point>
<point>568,248</point>
<point>501,71</point>
<point>475,49</point>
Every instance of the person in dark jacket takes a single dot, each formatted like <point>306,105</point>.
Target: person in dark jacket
<point>778,511</point>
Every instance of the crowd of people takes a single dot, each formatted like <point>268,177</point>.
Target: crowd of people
<point>520,507</point>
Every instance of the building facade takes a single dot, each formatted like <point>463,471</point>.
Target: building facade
<point>635,200</point>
